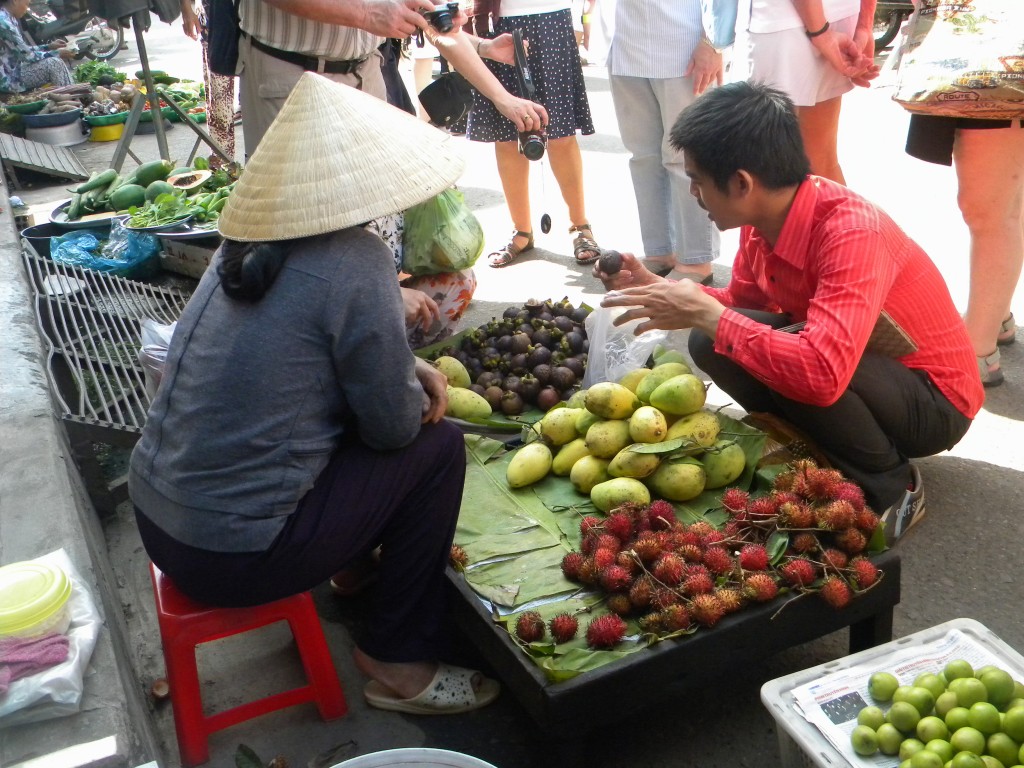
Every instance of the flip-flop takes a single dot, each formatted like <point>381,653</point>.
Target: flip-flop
<point>451,692</point>
<point>679,274</point>
<point>657,266</point>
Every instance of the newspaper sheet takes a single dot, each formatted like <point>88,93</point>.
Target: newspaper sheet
<point>831,703</point>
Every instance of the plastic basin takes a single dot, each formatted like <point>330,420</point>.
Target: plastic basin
<point>415,757</point>
<point>48,121</point>
<point>39,236</point>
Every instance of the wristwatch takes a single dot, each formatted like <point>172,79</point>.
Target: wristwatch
<point>707,41</point>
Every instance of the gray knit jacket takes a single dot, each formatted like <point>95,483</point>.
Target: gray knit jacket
<point>255,396</point>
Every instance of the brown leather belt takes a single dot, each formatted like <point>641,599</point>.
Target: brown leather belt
<point>309,63</point>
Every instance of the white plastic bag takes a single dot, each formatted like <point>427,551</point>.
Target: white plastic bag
<point>57,691</point>
<point>614,350</point>
<point>156,338</point>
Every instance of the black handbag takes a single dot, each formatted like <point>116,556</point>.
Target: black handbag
<point>223,31</point>
<point>447,99</point>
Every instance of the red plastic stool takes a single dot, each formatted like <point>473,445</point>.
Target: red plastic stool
<point>184,624</point>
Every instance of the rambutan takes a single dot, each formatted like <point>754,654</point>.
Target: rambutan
<point>571,565</point>
<point>698,584</point>
<point>730,598</point>
<point>607,541</point>
<point>754,557</point>
<point>603,558</point>
<point>735,528</point>
<point>590,524</point>
<point>587,572</point>
<point>666,539</point>
<point>619,604</point>
<point>802,466</point>
<point>799,572</point>
<point>762,507</point>
<point>663,597</point>
<point>835,516</point>
<point>641,592</point>
<point>702,528</point>
<point>650,623</point>
<point>805,543</point>
<point>867,520</point>
<point>783,497</point>
<point>735,500</point>
<point>865,573</point>
<point>784,481</point>
<point>529,626</point>
<point>852,541</point>
<point>674,618</point>
<point>606,631</point>
<point>589,543</point>
<point>615,578</point>
<point>563,627</point>
<point>835,558</point>
<point>628,560</point>
<point>836,592</point>
<point>711,538</point>
<point>668,569</point>
<point>458,558</point>
<point>796,514</point>
<point>851,492</point>
<point>685,538</point>
<point>693,553</point>
<point>661,515</point>
<point>706,610</point>
<point>718,561</point>
<point>647,547</point>
<point>619,525</point>
<point>760,587</point>
<point>822,483</point>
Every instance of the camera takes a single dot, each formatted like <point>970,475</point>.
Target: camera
<point>532,144</point>
<point>442,17</point>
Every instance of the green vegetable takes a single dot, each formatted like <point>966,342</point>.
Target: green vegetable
<point>91,72</point>
<point>127,195</point>
<point>147,173</point>
<point>74,207</point>
<point>165,209</point>
<point>97,181</point>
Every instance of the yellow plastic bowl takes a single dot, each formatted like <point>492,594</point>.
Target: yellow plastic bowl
<point>106,132</point>
<point>33,599</point>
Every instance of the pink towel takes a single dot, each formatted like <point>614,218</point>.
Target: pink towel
<point>24,656</point>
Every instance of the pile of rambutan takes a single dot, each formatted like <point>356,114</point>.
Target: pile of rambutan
<point>808,535</point>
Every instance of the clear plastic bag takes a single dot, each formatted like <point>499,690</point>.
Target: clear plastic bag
<point>156,338</point>
<point>615,350</point>
<point>125,253</point>
<point>441,235</point>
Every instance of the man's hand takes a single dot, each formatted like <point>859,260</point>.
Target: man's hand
<point>666,305</point>
<point>632,275</point>
<point>394,18</point>
<point>705,68</point>
<point>420,309</point>
<point>435,388</point>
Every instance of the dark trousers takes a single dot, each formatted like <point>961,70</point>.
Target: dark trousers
<point>405,501</point>
<point>888,414</point>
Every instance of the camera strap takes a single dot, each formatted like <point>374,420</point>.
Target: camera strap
<point>526,87</point>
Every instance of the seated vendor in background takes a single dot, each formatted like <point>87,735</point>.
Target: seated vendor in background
<point>813,252</point>
<point>24,67</point>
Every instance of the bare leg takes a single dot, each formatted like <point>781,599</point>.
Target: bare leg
<point>567,166</point>
<point>990,172</point>
<point>514,171</point>
<point>423,73</point>
<point>819,127</point>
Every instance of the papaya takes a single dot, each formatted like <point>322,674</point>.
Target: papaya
<point>147,173</point>
<point>157,188</point>
<point>124,197</point>
<point>181,169</point>
<point>190,180</point>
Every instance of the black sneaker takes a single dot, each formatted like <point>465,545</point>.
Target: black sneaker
<point>905,513</point>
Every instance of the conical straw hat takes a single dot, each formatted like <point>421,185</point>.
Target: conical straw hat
<point>335,157</point>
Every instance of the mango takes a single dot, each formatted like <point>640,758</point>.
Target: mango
<point>611,401</point>
<point>632,379</point>
<point>466,404</point>
<point>607,438</point>
<point>678,479</point>
<point>627,463</point>
<point>530,464</point>
<point>647,425</point>
<point>619,490</point>
<point>701,427</point>
<point>568,455</point>
<point>680,395</point>
<point>558,426</point>
<point>670,356</point>
<point>588,472</point>
<point>577,399</point>
<point>454,371</point>
<point>585,421</point>
<point>723,463</point>
<point>658,376</point>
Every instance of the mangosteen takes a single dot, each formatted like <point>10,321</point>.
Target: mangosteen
<point>477,388</point>
<point>580,314</point>
<point>518,364</point>
<point>575,365</point>
<point>557,358</point>
<point>586,345</point>
<point>564,324</point>
<point>474,367</point>
<point>575,340</point>
<point>525,328</point>
<point>534,307</point>
<point>522,316</point>
<point>548,398</point>
<point>545,316</point>
<point>470,343</point>
<point>567,395</point>
<point>493,396</point>
<point>562,378</point>
<point>490,351</point>
<point>503,344</point>
<point>542,373</point>
<point>563,307</point>
<point>610,262</point>
<point>511,383</point>
<point>512,404</point>
<point>538,356</point>
<point>529,387</point>
<point>510,313</point>
<point>520,342</point>
<point>487,378</point>
<point>542,337</point>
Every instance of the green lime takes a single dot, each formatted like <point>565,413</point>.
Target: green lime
<point>999,686</point>
<point>910,747</point>
<point>1020,754</point>
<point>889,739</point>
<point>873,717</point>
<point>932,682</point>
<point>957,717</point>
<point>904,716</point>
<point>1018,689</point>
<point>882,685</point>
<point>991,762</point>
<point>1002,748</point>
<point>864,740</point>
<point>932,727</point>
<point>925,758</point>
<point>984,717</point>
<point>967,759</point>
<point>968,738</point>
<point>969,690</point>
<point>1013,723</point>
<point>942,748</point>
<point>945,702</point>
<point>957,668</point>
<point>1014,702</point>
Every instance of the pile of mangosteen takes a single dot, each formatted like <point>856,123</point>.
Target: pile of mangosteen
<point>534,355</point>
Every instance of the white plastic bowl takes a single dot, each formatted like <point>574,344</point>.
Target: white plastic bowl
<point>415,757</point>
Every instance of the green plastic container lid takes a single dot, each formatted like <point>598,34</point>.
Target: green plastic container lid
<point>30,594</point>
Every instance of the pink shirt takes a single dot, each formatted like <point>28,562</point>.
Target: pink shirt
<point>838,262</point>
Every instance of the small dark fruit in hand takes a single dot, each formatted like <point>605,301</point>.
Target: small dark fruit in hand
<point>610,263</point>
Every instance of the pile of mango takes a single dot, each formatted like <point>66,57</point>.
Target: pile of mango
<point>646,436</point>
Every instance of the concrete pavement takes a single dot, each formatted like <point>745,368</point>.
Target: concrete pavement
<point>961,561</point>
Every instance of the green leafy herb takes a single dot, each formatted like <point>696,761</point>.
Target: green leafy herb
<point>91,72</point>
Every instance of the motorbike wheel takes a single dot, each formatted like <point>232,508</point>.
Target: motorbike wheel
<point>887,26</point>
<point>108,39</point>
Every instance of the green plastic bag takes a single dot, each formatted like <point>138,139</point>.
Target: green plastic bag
<point>441,235</point>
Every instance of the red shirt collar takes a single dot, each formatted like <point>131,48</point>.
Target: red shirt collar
<point>794,240</point>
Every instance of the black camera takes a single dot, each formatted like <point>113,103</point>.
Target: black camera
<point>533,143</point>
<point>442,18</point>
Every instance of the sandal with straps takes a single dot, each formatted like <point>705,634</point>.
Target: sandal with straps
<point>505,256</point>
<point>584,243</point>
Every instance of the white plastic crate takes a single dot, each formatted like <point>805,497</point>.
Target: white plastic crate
<point>802,744</point>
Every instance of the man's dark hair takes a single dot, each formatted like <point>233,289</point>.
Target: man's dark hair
<point>743,126</point>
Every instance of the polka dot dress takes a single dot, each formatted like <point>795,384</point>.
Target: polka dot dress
<point>557,75</point>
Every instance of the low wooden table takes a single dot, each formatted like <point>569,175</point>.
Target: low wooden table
<point>751,634</point>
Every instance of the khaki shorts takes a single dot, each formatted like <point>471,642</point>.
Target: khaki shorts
<point>787,60</point>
